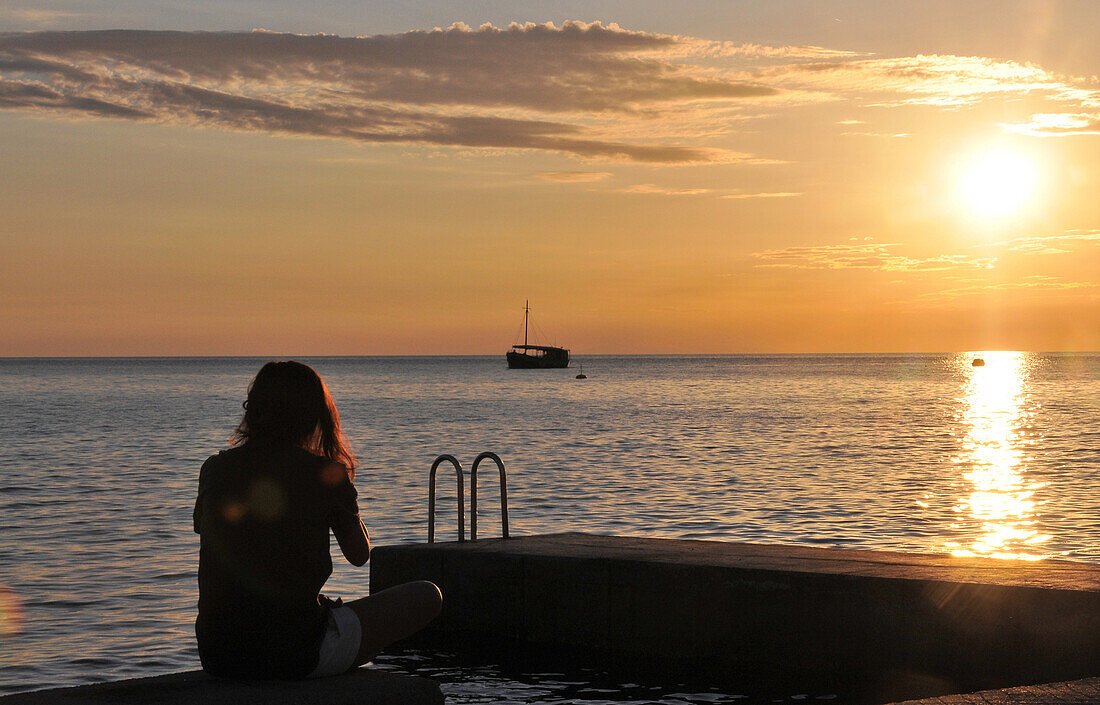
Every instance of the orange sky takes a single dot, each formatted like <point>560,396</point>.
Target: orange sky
<point>726,186</point>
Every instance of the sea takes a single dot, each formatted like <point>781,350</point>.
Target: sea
<point>930,453</point>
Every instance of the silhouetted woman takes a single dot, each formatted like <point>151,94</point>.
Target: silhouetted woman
<point>264,512</point>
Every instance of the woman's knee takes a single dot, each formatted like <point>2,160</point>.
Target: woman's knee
<point>427,597</point>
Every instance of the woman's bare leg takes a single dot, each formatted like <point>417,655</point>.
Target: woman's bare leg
<point>394,614</point>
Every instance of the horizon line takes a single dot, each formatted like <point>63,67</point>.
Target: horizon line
<point>574,356</point>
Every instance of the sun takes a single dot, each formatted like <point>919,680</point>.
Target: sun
<point>997,184</point>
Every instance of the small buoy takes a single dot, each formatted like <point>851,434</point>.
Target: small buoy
<point>978,362</point>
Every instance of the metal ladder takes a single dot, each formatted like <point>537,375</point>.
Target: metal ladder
<point>446,458</point>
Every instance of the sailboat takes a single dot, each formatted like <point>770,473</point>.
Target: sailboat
<point>534,357</point>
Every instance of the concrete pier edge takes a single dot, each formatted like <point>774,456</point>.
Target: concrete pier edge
<point>894,626</point>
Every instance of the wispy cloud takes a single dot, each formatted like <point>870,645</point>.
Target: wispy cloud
<point>1058,125</point>
<point>866,255</point>
<point>701,47</point>
<point>655,190</point>
<point>891,135</point>
<point>34,17</point>
<point>1062,244</point>
<point>573,177</point>
<point>944,80</point>
<point>762,194</point>
<point>1034,284</point>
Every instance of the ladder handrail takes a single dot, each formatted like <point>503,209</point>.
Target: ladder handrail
<point>446,458</point>
<point>503,494</point>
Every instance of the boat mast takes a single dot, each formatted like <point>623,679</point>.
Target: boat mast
<point>526,310</point>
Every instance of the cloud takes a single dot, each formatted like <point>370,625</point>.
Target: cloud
<point>700,47</point>
<point>530,86</point>
<point>891,135</point>
<point>655,190</point>
<point>21,95</point>
<point>1058,125</point>
<point>1030,284</point>
<point>34,17</point>
<point>588,90</point>
<point>765,194</point>
<point>938,79</point>
<point>1065,243</point>
<point>873,256</point>
<point>573,177</point>
<point>866,256</point>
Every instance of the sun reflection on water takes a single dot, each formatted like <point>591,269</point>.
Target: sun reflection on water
<point>11,612</point>
<point>1001,500</point>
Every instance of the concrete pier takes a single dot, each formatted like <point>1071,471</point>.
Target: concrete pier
<point>895,625</point>
<point>362,687</point>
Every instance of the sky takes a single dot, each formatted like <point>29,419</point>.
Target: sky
<point>269,178</point>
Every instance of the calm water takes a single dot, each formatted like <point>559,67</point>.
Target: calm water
<point>99,461</point>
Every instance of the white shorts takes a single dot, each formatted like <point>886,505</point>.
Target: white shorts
<point>340,644</point>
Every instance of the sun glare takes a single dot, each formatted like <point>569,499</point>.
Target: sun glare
<point>1001,510</point>
<point>997,184</point>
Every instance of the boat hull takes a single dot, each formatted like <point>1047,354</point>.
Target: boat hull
<point>550,359</point>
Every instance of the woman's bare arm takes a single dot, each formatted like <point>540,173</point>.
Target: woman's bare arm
<point>344,519</point>
<point>353,538</point>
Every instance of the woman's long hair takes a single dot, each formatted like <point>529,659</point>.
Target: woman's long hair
<point>288,402</point>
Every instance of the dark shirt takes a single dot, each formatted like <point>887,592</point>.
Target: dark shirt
<point>263,514</point>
